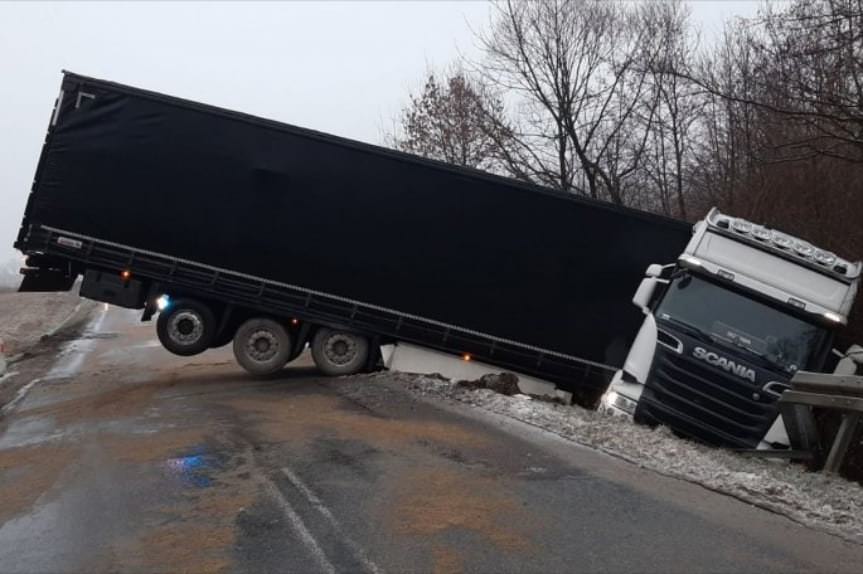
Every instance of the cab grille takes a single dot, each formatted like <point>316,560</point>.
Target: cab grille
<point>697,401</point>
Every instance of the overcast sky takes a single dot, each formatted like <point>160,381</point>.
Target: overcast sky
<point>344,68</point>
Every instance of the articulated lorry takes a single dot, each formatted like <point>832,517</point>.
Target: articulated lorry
<point>726,327</point>
<point>236,229</point>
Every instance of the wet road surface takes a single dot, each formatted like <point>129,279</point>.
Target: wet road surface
<point>122,457</point>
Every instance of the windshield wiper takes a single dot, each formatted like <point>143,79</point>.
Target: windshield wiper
<point>740,344</point>
<point>691,329</point>
<point>765,358</point>
<point>716,339</point>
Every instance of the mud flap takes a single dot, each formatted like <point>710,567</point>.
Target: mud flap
<point>46,280</point>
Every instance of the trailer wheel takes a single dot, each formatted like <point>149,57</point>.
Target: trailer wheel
<point>186,328</point>
<point>339,352</point>
<point>262,346</point>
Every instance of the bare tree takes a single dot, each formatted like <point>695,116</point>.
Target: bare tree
<point>814,50</point>
<point>673,115</point>
<point>453,120</point>
<point>781,138</point>
<point>727,140</point>
<point>578,69</point>
<point>806,72</point>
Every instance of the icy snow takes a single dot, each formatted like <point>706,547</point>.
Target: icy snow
<point>817,500</point>
<point>26,317</point>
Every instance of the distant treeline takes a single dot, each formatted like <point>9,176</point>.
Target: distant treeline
<point>622,101</point>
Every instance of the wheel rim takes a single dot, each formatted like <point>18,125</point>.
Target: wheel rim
<point>340,349</point>
<point>185,327</point>
<point>262,346</point>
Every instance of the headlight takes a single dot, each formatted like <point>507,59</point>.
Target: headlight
<point>163,302</point>
<point>618,401</point>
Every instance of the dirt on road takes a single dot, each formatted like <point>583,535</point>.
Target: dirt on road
<point>123,457</point>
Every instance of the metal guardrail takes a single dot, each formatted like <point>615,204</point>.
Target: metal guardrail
<point>842,393</point>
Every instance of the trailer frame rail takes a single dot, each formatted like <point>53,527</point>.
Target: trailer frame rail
<point>293,301</point>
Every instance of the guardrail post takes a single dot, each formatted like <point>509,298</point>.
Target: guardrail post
<point>842,442</point>
<point>838,393</point>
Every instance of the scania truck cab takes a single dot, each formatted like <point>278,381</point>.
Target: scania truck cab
<point>725,329</point>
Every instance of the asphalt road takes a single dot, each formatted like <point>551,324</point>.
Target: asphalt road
<point>122,457</point>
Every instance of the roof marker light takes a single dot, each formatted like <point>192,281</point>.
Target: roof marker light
<point>835,317</point>
<point>761,234</point>
<point>803,249</point>
<point>689,260</point>
<point>125,275</point>
<point>796,303</point>
<point>825,257</point>
<point>782,241</point>
<point>741,226</point>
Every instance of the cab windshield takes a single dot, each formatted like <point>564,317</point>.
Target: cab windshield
<point>731,319</point>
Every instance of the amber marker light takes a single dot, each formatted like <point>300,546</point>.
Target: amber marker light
<point>466,357</point>
<point>125,275</point>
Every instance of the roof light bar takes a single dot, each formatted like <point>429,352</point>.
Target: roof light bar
<point>780,241</point>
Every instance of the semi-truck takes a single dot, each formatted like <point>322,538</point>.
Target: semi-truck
<point>234,229</point>
<point>725,328</point>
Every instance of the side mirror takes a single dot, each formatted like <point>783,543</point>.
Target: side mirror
<point>850,360</point>
<point>654,270</point>
<point>644,293</point>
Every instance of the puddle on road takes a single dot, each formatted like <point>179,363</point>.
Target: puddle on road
<point>194,528</point>
<point>17,553</point>
<point>42,429</point>
<point>194,469</point>
<point>29,430</point>
<point>73,353</point>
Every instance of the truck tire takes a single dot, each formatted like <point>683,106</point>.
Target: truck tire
<point>339,352</point>
<point>262,346</point>
<point>186,328</point>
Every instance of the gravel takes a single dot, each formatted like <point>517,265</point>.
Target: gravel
<point>817,500</point>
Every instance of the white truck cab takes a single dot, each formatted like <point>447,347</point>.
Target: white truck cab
<point>725,329</point>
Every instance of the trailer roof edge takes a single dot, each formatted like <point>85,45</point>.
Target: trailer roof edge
<point>368,148</point>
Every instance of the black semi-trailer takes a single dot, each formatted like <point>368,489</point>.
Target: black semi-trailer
<point>277,237</point>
